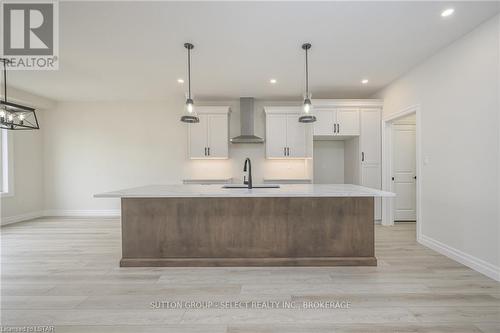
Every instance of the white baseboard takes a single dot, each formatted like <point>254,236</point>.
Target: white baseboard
<point>62,213</point>
<point>20,217</point>
<point>83,213</point>
<point>476,264</point>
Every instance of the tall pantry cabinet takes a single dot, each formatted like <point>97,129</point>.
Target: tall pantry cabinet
<point>362,143</point>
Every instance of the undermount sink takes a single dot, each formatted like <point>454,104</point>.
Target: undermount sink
<point>253,186</point>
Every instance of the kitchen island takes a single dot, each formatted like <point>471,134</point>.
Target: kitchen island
<point>207,225</point>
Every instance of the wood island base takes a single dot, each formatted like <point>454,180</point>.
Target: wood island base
<point>247,231</point>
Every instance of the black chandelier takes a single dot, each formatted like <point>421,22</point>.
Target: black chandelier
<point>15,116</point>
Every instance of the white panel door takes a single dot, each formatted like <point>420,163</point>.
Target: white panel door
<point>348,121</point>
<point>218,136</point>
<point>404,172</point>
<point>324,122</point>
<point>276,136</point>
<point>295,136</point>
<point>198,137</point>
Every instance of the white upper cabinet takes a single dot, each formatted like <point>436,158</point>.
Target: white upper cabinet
<point>218,136</point>
<point>286,137</point>
<point>336,122</point>
<point>348,122</point>
<point>371,137</point>
<point>276,135</point>
<point>209,139</point>
<point>198,138</point>
<point>296,137</point>
<point>325,122</point>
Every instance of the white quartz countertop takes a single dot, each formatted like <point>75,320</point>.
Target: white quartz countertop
<point>208,191</point>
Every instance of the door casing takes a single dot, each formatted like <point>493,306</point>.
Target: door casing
<point>388,203</point>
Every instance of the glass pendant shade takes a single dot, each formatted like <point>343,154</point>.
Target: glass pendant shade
<point>307,116</point>
<point>15,116</point>
<point>190,115</point>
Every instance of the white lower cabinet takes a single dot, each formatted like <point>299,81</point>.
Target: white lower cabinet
<point>286,137</point>
<point>209,139</point>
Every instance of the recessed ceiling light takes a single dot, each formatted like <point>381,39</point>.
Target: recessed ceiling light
<point>447,12</point>
<point>273,81</point>
<point>364,81</point>
<point>180,80</point>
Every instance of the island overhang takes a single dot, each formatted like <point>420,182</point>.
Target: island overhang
<point>217,191</point>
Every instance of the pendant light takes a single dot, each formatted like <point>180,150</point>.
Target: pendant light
<point>190,115</point>
<point>307,115</point>
<point>15,116</point>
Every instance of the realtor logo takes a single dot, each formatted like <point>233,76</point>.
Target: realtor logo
<point>30,34</point>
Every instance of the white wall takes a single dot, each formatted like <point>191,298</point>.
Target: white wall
<point>26,200</point>
<point>328,161</point>
<point>457,90</point>
<point>103,146</point>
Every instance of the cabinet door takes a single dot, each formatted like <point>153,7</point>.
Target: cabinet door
<point>218,136</point>
<point>348,121</point>
<point>371,176</point>
<point>198,138</point>
<point>371,153</point>
<point>295,136</point>
<point>371,149</point>
<point>324,122</point>
<point>275,135</point>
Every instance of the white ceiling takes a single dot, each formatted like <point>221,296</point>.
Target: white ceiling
<point>134,50</point>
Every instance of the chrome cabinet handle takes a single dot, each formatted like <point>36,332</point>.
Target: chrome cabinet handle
<point>284,151</point>
<point>338,128</point>
<point>205,151</point>
<point>208,150</point>
<point>362,156</point>
<point>288,151</point>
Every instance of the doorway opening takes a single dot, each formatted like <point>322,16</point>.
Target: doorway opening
<point>401,157</point>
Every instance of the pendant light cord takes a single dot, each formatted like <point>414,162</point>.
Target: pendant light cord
<point>189,72</point>
<point>307,76</point>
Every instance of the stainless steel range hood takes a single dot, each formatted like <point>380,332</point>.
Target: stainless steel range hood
<point>246,123</point>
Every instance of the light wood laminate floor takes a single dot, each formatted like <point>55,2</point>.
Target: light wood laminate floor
<point>64,272</point>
